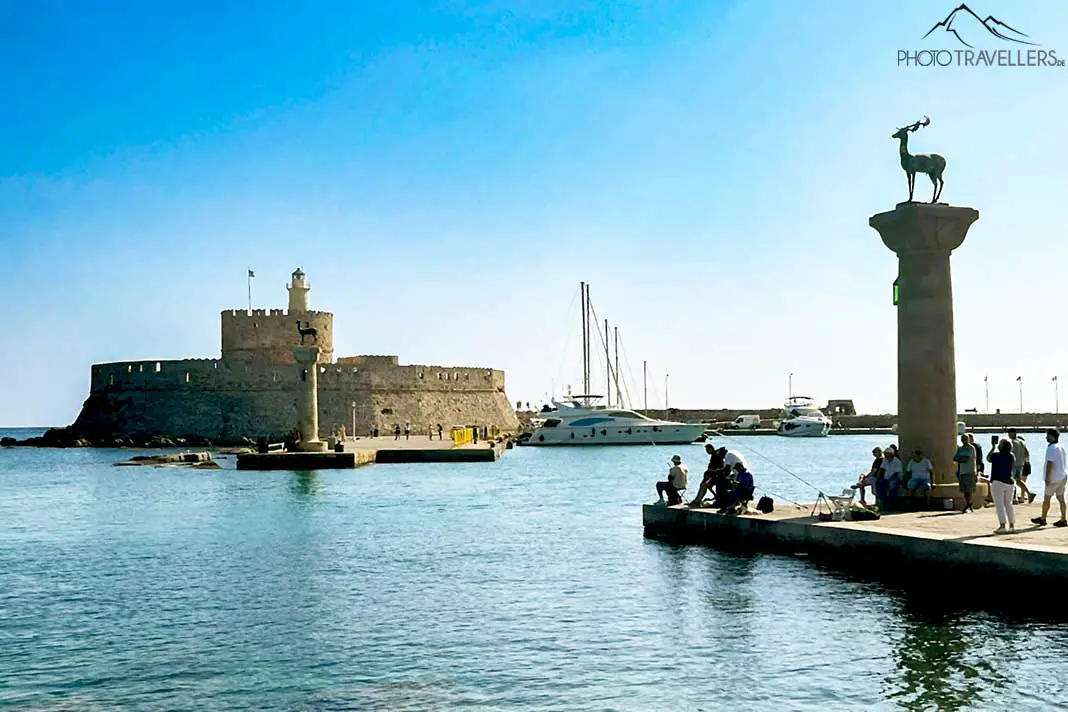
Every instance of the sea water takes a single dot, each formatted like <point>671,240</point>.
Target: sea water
<point>523,584</point>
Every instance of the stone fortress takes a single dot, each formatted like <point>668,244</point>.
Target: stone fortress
<point>251,391</point>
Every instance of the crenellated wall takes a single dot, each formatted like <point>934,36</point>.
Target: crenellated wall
<point>270,334</point>
<point>232,398</point>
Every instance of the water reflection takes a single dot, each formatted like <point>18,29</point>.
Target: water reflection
<point>305,484</point>
<point>940,659</point>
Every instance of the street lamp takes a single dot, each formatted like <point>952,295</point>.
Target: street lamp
<point>666,390</point>
<point>353,418</point>
<point>1019,380</point>
<point>790,386</point>
<point>986,387</point>
<point>1056,397</point>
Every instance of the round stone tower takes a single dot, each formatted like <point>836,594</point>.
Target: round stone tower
<point>298,293</point>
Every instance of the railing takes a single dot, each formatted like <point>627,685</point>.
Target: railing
<point>461,436</point>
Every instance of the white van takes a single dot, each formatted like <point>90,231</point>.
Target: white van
<point>745,422</point>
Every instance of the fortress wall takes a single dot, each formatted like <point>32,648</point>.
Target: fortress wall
<point>370,361</point>
<point>222,399</point>
<point>270,334</point>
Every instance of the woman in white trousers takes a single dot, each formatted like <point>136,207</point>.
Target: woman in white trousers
<point>1002,486</point>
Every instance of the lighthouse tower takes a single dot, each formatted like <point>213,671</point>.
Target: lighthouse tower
<point>298,293</point>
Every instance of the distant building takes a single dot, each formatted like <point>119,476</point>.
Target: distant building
<point>839,407</point>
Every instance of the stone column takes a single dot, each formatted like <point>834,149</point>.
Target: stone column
<point>308,398</point>
<point>923,235</point>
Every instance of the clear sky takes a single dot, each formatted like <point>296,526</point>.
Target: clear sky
<point>446,173</point>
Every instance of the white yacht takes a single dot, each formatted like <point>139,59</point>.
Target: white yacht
<point>802,419</point>
<point>578,420</point>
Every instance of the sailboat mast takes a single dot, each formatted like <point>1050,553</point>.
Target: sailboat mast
<point>645,386</point>
<point>619,396</point>
<point>585,339</point>
<point>607,366</point>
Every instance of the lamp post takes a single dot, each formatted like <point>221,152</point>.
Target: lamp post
<point>1019,381</point>
<point>790,386</point>
<point>666,391</point>
<point>986,387</point>
<point>1056,397</point>
<point>353,418</point>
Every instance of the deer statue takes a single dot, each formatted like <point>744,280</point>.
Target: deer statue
<point>930,163</point>
<point>307,330</point>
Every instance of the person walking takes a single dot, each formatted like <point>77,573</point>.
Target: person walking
<point>439,431</point>
<point>407,430</point>
<point>1002,485</point>
<point>1055,478</point>
<point>1020,457</point>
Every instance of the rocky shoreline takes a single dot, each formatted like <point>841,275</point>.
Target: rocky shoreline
<point>68,438</point>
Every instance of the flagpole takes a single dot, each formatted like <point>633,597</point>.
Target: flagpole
<point>249,280</point>
<point>986,387</point>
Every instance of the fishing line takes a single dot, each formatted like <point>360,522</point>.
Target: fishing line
<point>759,454</point>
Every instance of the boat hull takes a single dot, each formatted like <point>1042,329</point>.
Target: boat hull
<point>812,429</point>
<point>668,434</point>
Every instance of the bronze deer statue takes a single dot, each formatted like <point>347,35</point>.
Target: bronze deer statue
<point>930,163</point>
<point>307,330</point>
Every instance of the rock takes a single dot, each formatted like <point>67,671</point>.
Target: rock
<point>8,442</point>
<point>209,465</point>
<point>180,458</point>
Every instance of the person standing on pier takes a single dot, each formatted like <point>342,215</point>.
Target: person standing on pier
<point>1055,478</point>
<point>1020,457</point>
<point>439,431</point>
<point>676,482</point>
<point>407,430</point>
<point>965,458</point>
<point>1002,485</point>
<point>396,431</point>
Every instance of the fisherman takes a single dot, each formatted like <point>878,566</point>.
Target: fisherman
<point>676,481</point>
<point>742,492</point>
<point>718,477</point>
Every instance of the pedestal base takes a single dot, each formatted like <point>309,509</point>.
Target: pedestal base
<point>311,446</point>
<point>941,493</point>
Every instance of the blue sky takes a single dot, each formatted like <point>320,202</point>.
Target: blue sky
<point>446,173</point>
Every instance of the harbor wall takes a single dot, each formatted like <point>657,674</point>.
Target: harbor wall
<point>232,399</point>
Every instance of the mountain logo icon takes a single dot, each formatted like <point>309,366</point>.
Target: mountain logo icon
<point>963,20</point>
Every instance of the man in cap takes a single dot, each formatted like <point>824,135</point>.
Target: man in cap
<point>676,481</point>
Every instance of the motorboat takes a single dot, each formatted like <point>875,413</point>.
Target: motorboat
<point>802,419</point>
<point>580,420</point>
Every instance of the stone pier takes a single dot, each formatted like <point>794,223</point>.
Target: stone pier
<point>308,398</point>
<point>923,235</point>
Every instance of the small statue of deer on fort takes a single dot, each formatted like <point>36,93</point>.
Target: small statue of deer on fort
<point>930,163</point>
<point>307,330</point>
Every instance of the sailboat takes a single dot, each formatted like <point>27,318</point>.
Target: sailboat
<point>582,419</point>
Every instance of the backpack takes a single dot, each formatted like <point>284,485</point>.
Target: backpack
<point>766,505</point>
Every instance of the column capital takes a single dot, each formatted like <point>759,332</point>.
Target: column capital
<point>306,354</point>
<point>924,228</point>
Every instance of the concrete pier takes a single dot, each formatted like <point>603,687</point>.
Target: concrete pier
<point>365,451</point>
<point>923,235</point>
<point>964,543</point>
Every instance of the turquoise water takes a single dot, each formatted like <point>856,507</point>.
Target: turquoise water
<point>524,584</point>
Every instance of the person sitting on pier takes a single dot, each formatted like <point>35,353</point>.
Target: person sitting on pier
<point>869,478</point>
<point>919,471</point>
<point>886,487</point>
<point>742,491</point>
<point>718,477</point>
<point>676,482</point>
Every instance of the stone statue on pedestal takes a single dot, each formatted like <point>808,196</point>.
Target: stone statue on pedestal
<point>930,163</point>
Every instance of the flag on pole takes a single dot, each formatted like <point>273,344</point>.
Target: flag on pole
<point>1019,378</point>
<point>1054,379</point>
<point>251,274</point>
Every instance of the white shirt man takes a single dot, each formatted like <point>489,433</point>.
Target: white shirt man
<point>732,458</point>
<point>1056,477</point>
